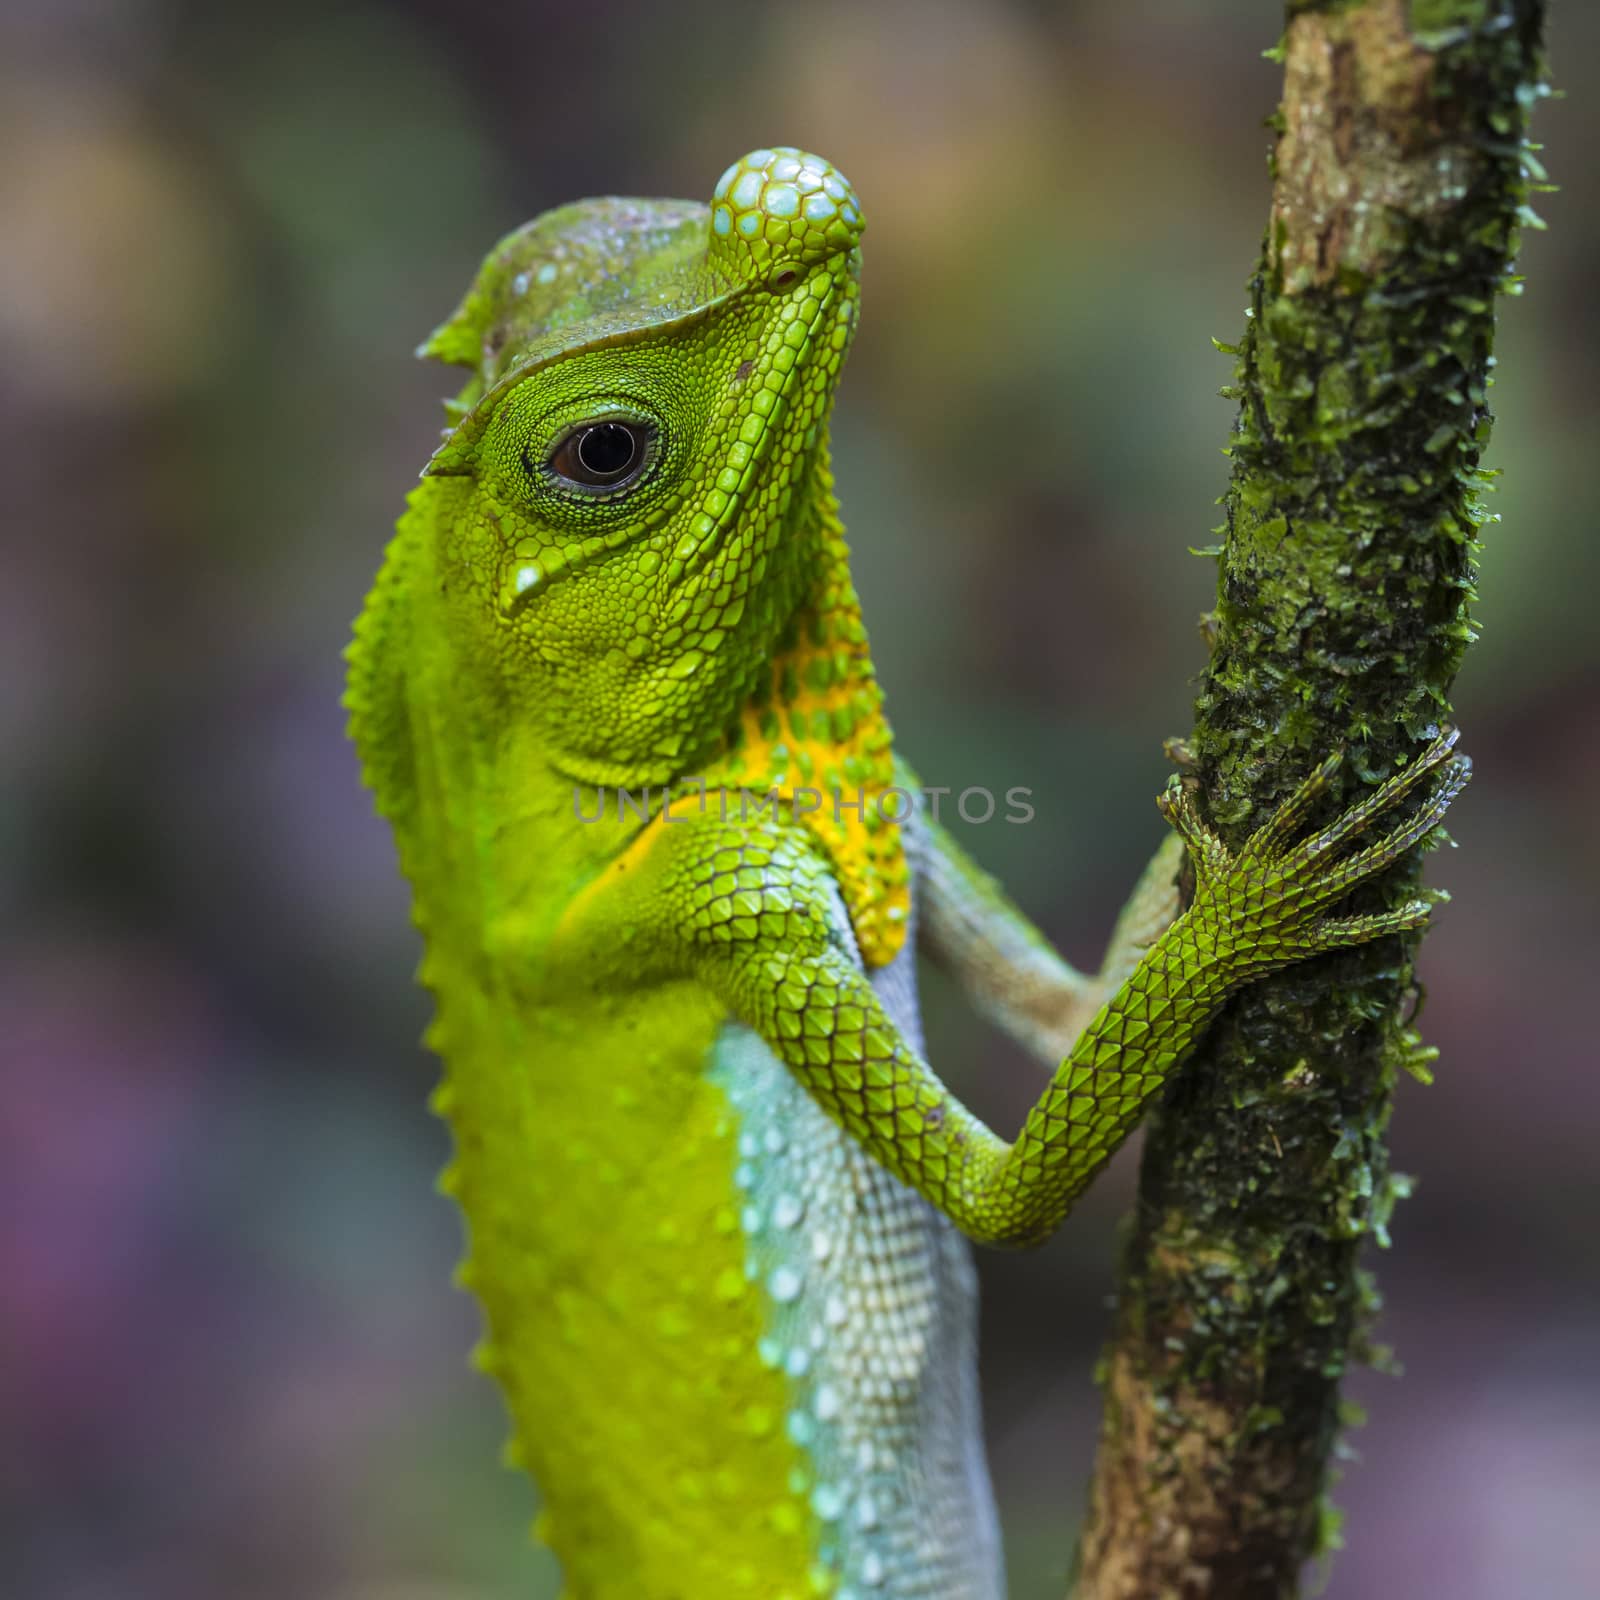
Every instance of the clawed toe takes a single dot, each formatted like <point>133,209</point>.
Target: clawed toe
<point>1391,793</point>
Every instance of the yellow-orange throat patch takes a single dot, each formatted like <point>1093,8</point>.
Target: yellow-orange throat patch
<point>815,734</point>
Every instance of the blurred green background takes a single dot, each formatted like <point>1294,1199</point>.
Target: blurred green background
<point>230,1359</point>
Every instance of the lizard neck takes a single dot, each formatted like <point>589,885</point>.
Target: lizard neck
<point>813,732</point>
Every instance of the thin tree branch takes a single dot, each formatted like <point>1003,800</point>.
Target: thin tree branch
<point>1401,178</point>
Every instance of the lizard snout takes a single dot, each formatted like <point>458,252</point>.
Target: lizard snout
<point>776,212</point>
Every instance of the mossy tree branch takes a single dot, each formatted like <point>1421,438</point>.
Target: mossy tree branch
<point>1401,179</point>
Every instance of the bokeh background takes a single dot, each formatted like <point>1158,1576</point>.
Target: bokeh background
<point>231,1362</point>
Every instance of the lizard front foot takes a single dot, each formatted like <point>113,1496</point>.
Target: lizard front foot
<point>1260,909</point>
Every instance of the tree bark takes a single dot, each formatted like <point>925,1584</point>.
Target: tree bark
<point>1401,178</point>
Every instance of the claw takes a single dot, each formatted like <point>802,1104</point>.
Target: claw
<point>1340,933</point>
<point>1342,876</point>
<point>1178,805</point>
<point>1394,845</point>
<point>1384,796</point>
<point>1276,830</point>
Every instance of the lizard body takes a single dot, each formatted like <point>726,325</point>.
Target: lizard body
<point>716,1197</point>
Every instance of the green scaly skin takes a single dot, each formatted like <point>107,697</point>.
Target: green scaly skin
<point>712,1184</point>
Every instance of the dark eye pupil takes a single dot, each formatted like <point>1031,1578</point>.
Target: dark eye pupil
<point>602,455</point>
<point>607,449</point>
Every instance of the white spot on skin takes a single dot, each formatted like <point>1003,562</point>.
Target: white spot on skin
<point>787,1211</point>
<point>527,577</point>
<point>547,273</point>
<point>784,1285</point>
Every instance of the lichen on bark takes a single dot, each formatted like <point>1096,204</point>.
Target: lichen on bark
<point>1401,179</point>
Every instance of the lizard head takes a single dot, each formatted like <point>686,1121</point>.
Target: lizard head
<point>644,436</point>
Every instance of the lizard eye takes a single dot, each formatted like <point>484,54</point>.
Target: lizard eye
<point>603,455</point>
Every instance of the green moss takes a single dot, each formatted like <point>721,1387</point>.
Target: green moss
<point>1444,16</point>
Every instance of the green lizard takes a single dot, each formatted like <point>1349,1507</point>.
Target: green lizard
<point>718,1200</point>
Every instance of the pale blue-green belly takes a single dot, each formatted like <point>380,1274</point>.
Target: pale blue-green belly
<point>871,1316</point>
